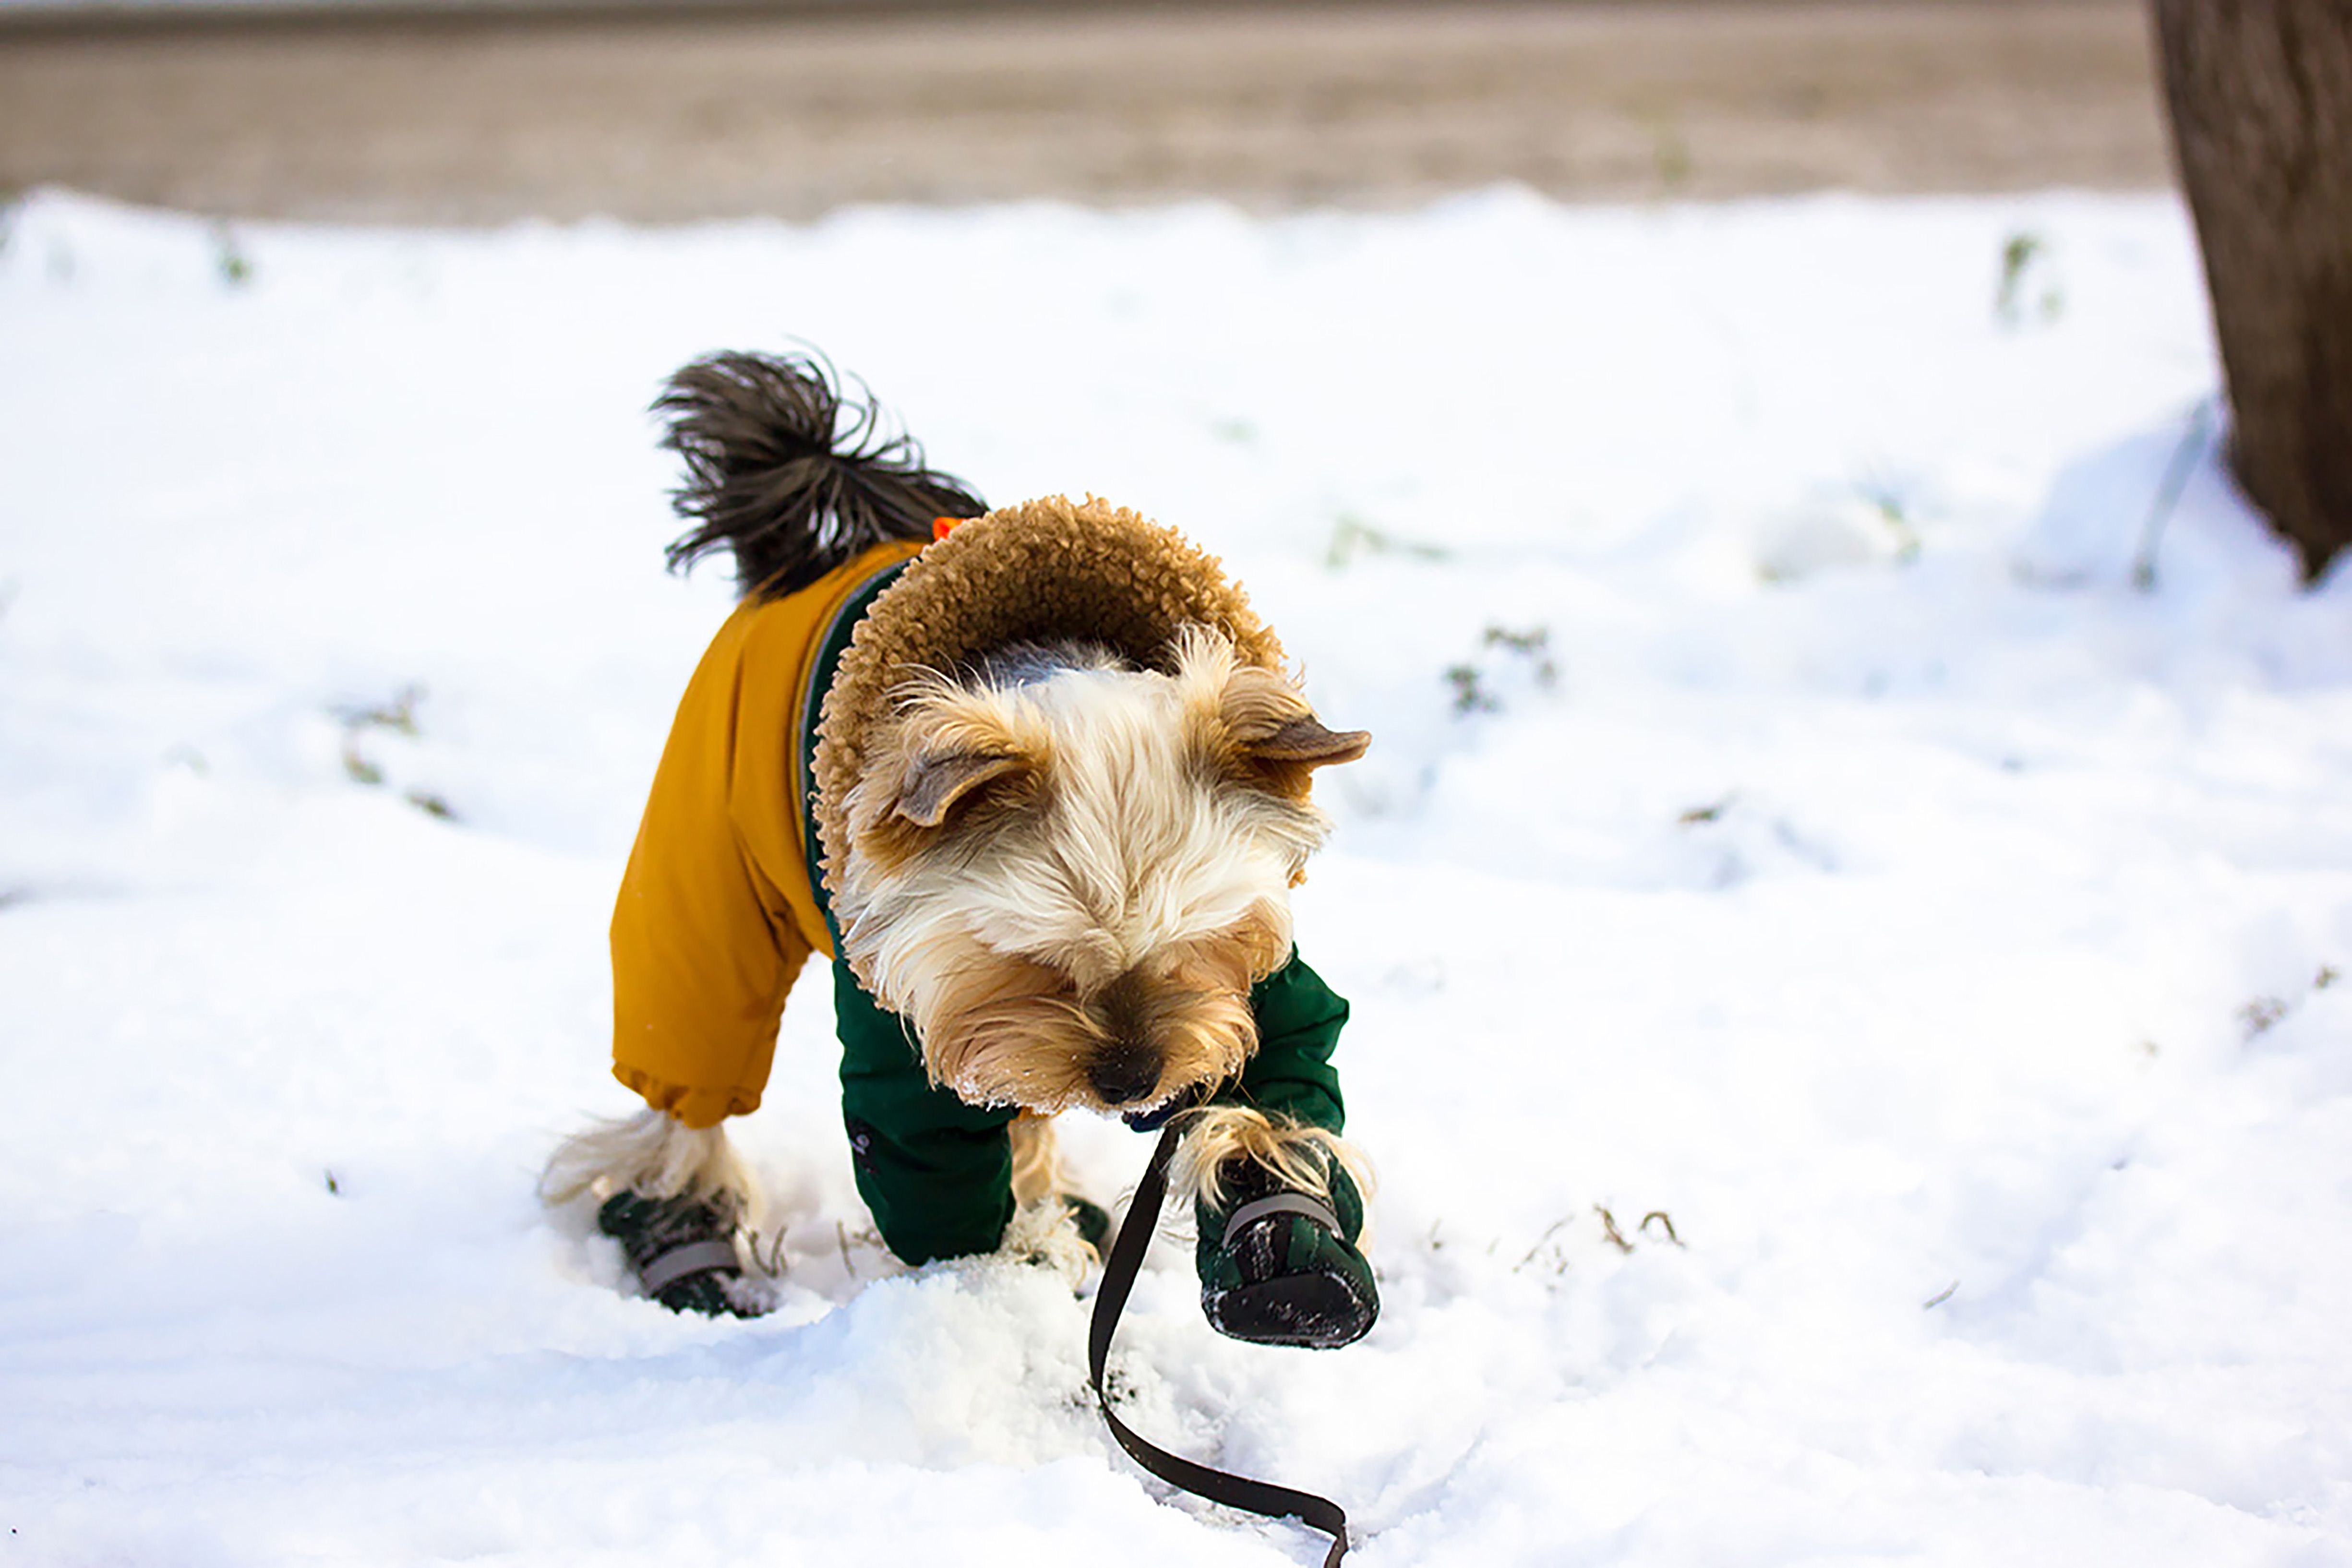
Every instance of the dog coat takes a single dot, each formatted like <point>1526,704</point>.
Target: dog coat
<point>725,898</point>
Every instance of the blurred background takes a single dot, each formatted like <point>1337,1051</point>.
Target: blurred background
<point>473,113</point>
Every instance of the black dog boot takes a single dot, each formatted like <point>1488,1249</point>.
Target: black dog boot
<point>1280,1267</point>
<point>682,1250</point>
<point>1092,1219</point>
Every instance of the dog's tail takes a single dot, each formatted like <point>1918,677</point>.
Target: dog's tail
<point>776,474</point>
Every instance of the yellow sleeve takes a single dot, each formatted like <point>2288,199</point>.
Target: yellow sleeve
<point>715,917</point>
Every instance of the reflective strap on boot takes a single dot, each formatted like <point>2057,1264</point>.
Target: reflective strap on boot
<point>694,1258</point>
<point>1298,1203</point>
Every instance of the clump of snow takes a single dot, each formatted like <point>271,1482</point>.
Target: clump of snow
<point>1850,1000</point>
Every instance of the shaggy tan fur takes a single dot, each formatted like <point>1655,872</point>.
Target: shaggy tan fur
<point>1037,1173</point>
<point>654,1155</point>
<point>1046,1233</point>
<point>1288,1148</point>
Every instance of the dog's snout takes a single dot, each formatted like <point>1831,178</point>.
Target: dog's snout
<point>1126,1068</point>
<point>1124,1073</point>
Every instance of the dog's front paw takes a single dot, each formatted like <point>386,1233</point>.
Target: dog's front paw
<point>1280,1267</point>
<point>682,1250</point>
<point>1065,1233</point>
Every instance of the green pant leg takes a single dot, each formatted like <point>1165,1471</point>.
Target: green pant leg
<point>937,1173</point>
<point>1290,1074</point>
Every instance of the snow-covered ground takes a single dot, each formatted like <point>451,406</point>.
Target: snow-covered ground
<point>1790,831</point>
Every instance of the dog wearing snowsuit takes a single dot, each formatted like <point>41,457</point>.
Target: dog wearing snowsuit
<point>1037,781</point>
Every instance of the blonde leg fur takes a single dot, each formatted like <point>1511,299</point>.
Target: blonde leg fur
<point>1037,1173</point>
<point>653,1154</point>
<point>1288,1148</point>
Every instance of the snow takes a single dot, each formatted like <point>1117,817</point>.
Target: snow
<point>1787,819</point>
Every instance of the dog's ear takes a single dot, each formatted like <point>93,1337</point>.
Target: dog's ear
<point>1303,742</point>
<point>1252,722</point>
<point>1272,736</point>
<point>1283,761</point>
<point>937,781</point>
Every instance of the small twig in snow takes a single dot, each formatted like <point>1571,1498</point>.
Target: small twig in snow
<point>432,805</point>
<point>357,767</point>
<point>1468,696</point>
<point>1549,1231</point>
<point>2017,254</point>
<point>398,714</point>
<point>1610,1231</point>
<point>1664,1218</point>
<point>771,1262</point>
<point>2167,493</point>
<point>2262,1014</point>
<point>1352,536</point>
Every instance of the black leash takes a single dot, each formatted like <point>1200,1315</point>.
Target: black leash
<point>1217,1485</point>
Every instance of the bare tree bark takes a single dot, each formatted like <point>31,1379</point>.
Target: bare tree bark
<point>2261,95</point>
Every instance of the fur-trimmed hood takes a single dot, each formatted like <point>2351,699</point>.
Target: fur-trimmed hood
<point>1039,571</point>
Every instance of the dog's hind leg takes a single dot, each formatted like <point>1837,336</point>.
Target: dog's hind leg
<point>652,1153</point>
<point>675,1197</point>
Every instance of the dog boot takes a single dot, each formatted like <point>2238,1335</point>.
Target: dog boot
<point>682,1250</point>
<point>1092,1219</point>
<point>1280,1267</point>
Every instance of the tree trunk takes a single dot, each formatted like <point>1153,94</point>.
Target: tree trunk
<point>2261,95</point>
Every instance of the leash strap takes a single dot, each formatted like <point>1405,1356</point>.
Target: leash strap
<point>1217,1485</point>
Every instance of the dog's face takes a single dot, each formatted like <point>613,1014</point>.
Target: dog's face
<point>1069,882</point>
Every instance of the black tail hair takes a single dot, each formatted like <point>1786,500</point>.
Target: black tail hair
<point>774,474</point>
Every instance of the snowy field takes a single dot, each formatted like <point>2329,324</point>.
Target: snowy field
<point>1789,830</point>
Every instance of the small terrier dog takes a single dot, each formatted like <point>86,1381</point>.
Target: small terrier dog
<point>1040,781</point>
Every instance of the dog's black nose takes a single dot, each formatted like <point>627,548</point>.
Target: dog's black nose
<point>1123,1072</point>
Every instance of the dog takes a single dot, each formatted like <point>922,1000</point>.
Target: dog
<point>1040,781</point>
